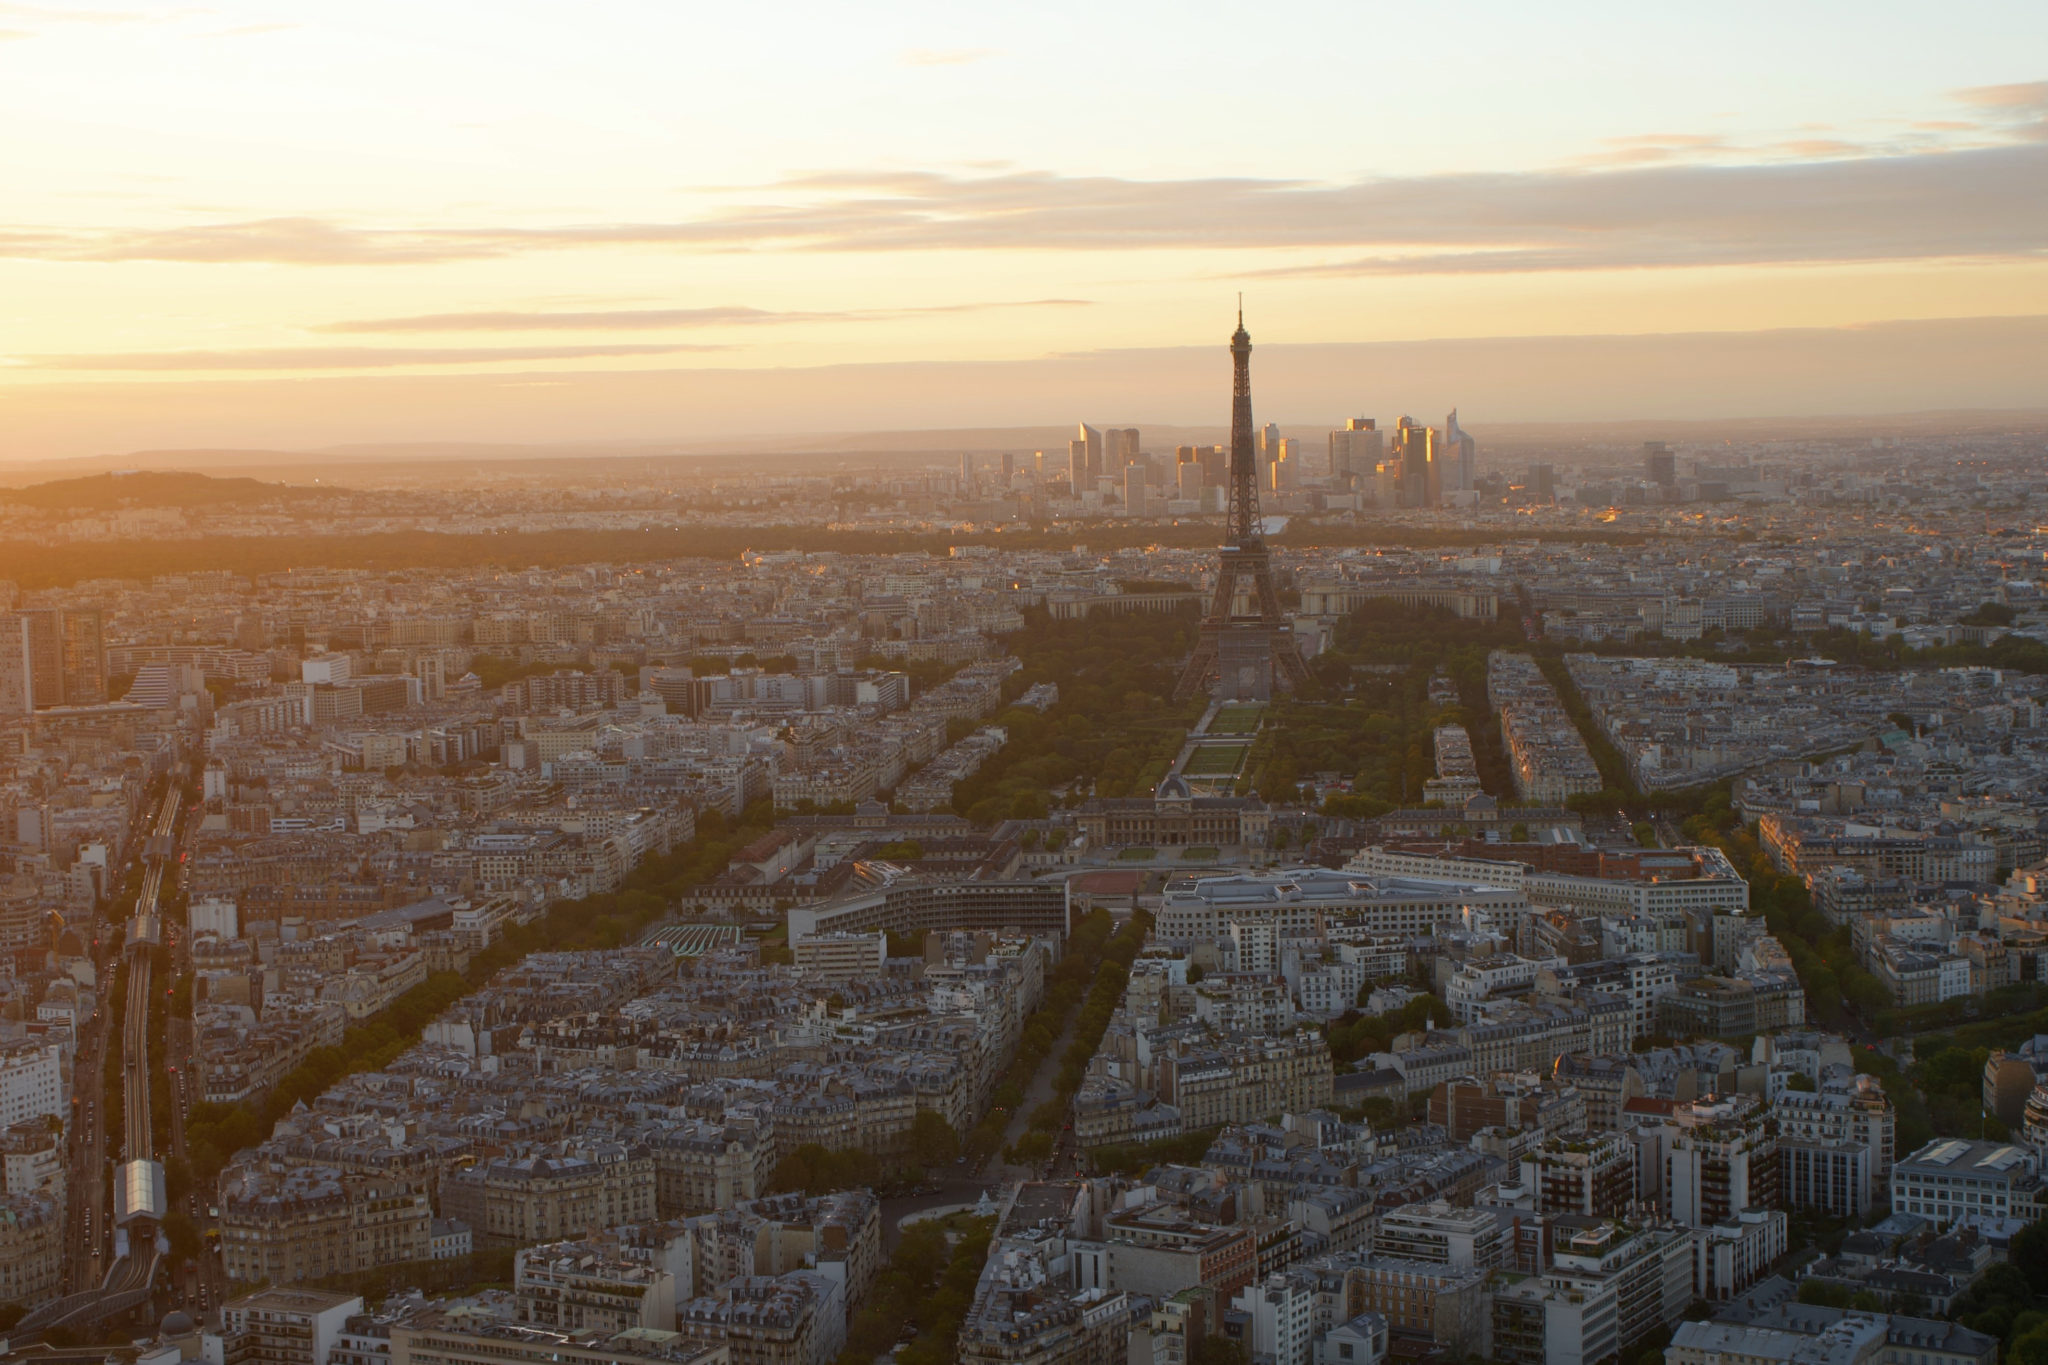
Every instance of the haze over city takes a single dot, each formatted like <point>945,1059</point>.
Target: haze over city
<point>305,224</point>
<point>1125,684</point>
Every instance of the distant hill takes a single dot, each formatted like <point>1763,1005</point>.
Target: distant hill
<point>152,488</point>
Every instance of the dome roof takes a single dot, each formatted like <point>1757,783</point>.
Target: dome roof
<point>1172,787</point>
<point>177,1323</point>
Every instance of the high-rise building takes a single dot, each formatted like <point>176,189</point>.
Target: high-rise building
<point>1542,483</point>
<point>966,472</point>
<point>1135,504</point>
<point>17,667</point>
<point>1356,450</point>
<point>1721,1160</point>
<point>1415,457</point>
<point>1077,466</point>
<point>85,657</point>
<point>1119,447</point>
<point>1091,448</point>
<point>1286,469</point>
<point>46,654</point>
<point>1660,466</point>
<point>1461,455</point>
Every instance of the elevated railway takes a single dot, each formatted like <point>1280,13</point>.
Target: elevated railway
<point>139,1202</point>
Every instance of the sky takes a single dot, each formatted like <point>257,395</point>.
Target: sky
<point>298,223</point>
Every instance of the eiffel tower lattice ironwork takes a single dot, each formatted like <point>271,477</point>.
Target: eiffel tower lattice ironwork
<point>1264,636</point>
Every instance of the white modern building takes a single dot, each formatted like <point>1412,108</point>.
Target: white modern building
<point>31,1082</point>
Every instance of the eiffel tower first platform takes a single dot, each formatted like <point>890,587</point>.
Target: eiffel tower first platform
<point>1243,658</point>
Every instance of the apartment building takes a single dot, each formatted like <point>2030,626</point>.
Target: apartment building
<point>284,1326</point>
<point>1835,1145</point>
<point>540,1197</point>
<point>290,1223</point>
<point>583,1286</point>
<point>31,1247</point>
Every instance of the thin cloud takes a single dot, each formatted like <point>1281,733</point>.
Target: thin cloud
<point>654,319</point>
<point>337,357</point>
<point>1773,210</point>
<point>1820,148</point>
<point>279,241</point>
<point>1656,148</point>
<point>953,56</point>
<point>2024,96</point>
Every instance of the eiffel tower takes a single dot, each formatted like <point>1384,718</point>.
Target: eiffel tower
<point>1244,657</point>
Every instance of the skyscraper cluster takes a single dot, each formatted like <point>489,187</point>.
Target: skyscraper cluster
<point>1422,466</point>
<point>1110,466</point>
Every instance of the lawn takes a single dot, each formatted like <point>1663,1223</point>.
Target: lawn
<point>1138,855</point>
<point>1236,720</point>
<point>1215,760</point>
<point>1200,853</point>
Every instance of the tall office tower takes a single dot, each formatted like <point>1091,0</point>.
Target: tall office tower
<point>1461,453</point>
<point>1356,450</point>
<point>1091,442</point>
<point>1269,451</point>
<point>1386,484</point>
<point>1246,656</point>
<point>1077,466</point>
<point>46,654</point>
<point>966,472</point>
<point>17,665</point>
<point>1119,446</point>
<point>1187,480</point>
<point>85,657</point>
<point>1038,465</point>
<point>1287,464</point>
<point>1415,455</point>
<point>1009,468</point>
<point>1135,503</point>
<point>1542,483</point>
<point>1215,466</point>
<point>1660,466</point>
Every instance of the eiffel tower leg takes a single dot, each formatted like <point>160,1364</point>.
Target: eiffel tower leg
<point>1200,665</point>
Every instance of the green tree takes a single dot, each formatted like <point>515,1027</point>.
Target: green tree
<point>932,1139</point>
<point>1030,1149</point>
<point>2029,1251</point>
